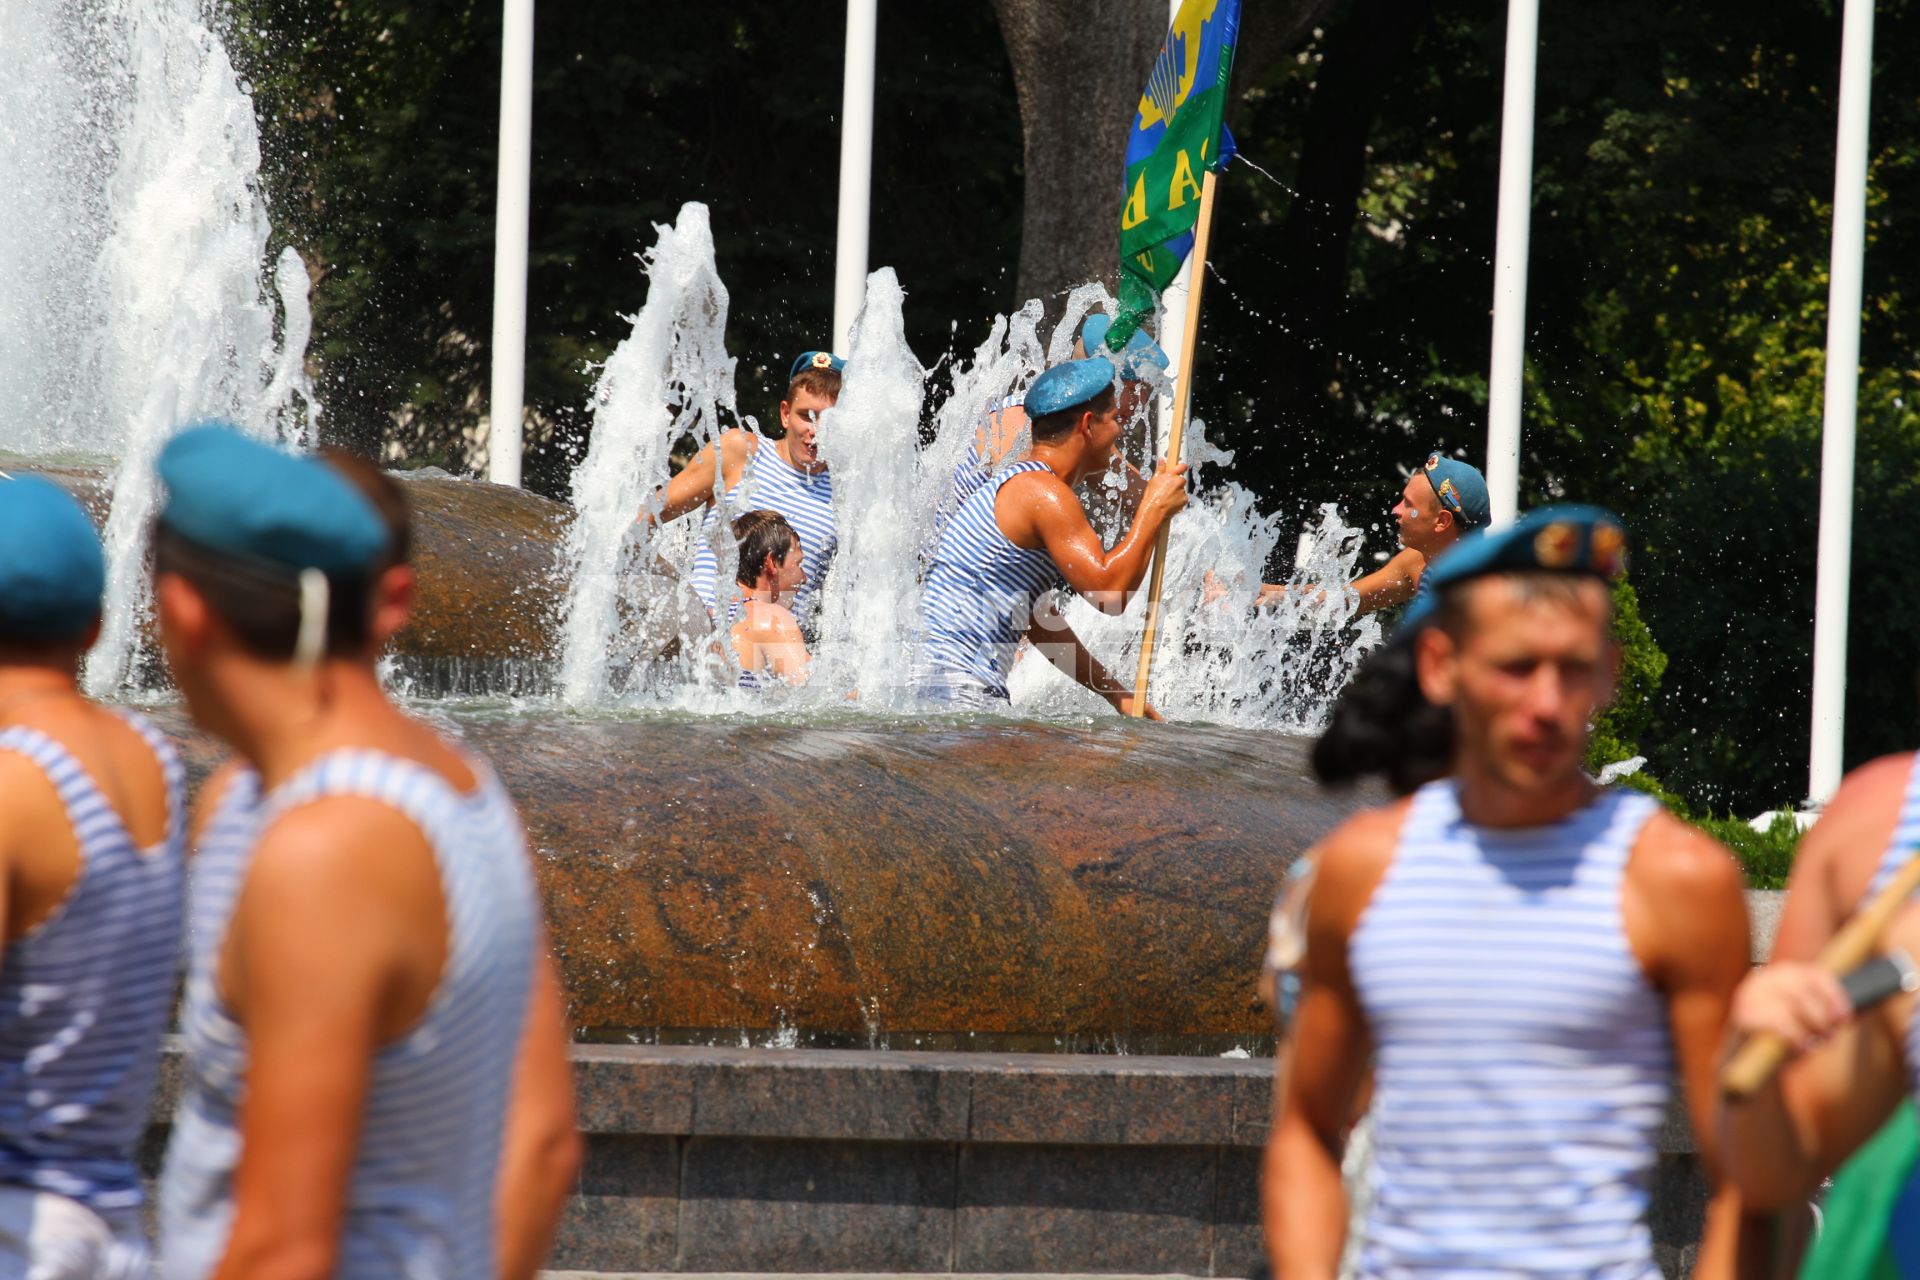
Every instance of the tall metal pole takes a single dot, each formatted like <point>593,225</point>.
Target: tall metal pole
<point>1830,600</point>
<point>506,397</point>
<point>1504,382</point>
<point>856,169</point>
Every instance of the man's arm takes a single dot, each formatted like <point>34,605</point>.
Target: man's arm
<point>316,967</point>
<point>1324,1061</point>
<point>541,1149</point>
<point>693,487</point>
<point>1394,582</point>
<point>1059,644</point>
<point>1686,918</point>
<point>1044,514</point>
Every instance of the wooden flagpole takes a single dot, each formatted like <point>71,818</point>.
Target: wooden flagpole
<point>1183,392</point>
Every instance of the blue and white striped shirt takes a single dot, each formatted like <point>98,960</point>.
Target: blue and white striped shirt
<point>1523,1060</point>
<point>1902,849</point>
<point>769,482</point>
<point>980,592</point>
<point>85,996</point>
<point>420,1200</point>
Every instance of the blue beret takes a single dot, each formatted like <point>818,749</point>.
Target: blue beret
<point>1140,362</point>
<point>52,572</point>
<point>1067,385</point>
<point>1461,489</point>
<point>815,360</point>
<point>236,495</point>
<point>1565,539</point>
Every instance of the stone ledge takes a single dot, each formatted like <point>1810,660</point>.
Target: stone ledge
<point>908,1096</point>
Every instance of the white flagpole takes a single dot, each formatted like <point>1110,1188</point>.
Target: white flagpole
<point>856,169</point>
<point>506,396</point>
<point>1841,398</point>
<point>1504,382</point>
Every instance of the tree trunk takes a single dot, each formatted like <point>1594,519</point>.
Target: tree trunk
<point>1078,69</point>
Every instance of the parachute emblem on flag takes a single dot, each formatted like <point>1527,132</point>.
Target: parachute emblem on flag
<point>1178,65</point>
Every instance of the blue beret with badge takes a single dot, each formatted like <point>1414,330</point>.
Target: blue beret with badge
<point>1142,361</point>
<point>1460,487</point>
<point>815,360</point>
<point>238,496</point>
<point>52,571</point>
<point>1066,385</point>
<point>1569,538</point>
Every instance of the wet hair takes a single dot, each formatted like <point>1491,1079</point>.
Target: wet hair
<point>1383,725</point>
<point>1053,426</point>
<point>383,493</point>
<point>761,534</point>
<point>821,382</point>
<point>260,599</point>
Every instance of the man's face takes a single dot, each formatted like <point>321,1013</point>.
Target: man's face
<point>789,574</point>
<point>1417,514</point>
<point>1103,436</point>
<point>1525,677</point>
<point>801,418</point>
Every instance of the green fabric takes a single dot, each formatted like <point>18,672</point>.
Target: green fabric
<point>1853,1232</point>
<point>1178,134</point>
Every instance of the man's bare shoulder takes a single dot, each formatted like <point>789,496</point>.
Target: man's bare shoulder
<point>1359,849</point>
<point>1679,863</point>
<point>1843,850</point>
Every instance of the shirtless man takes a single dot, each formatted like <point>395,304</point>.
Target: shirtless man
<point>1023,533</point>
<point>1441,502</point>
<point>765,637</point>
<point>787,476</point>
<point>92,891</point>
<point>1525,956</point>
<point>376,1069</point>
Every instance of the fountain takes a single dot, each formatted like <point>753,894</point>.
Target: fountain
<point>721,874</point>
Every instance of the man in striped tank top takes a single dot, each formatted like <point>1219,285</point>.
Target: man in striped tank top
<point>92,886</point>
<point>1527,958</point>
<point>743,471</point>
<point>1022,534</point>
<point>376,1078</point>
<point>1852,1072</point>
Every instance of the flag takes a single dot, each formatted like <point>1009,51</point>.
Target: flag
<point>1178,134</point>
<point>1870,1227</point>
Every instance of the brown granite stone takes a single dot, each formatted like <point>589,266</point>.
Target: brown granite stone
<point>758,1205</point>
<point>1144,1210</point>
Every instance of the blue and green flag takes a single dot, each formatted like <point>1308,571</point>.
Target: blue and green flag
<point>1179,133</point>
<point>1871,1217</point>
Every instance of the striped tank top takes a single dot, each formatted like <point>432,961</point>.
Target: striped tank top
<point>1523,1061</point>
<point>770,483</point>
<point>420,1200</point>
<point>980,591</point>
<point>1901,849</point>
<point>84,997</point>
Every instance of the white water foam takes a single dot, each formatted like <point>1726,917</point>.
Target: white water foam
<point>668,379</point>
<point>870,440</point>
<point>132,247</point>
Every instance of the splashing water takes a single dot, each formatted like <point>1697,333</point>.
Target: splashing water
<point>669,378</point>
<point>634,629</point>
<point>1279,668</point>
<point>870,441</point>
<point>132,242</point>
